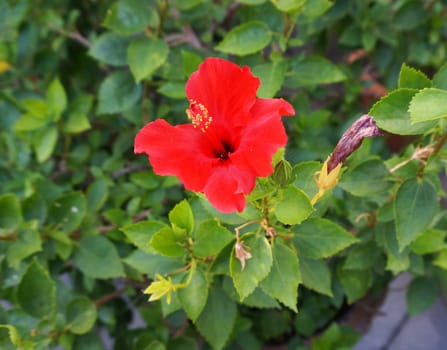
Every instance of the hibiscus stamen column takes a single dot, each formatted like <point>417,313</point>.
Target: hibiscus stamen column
<point>200,118</point>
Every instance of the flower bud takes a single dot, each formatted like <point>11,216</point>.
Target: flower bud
<point>282,173</point>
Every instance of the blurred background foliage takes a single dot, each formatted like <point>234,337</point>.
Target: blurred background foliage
<point>78,79</point>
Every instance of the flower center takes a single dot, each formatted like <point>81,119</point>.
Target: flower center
<point>200,119</point>
<point>199,116</point>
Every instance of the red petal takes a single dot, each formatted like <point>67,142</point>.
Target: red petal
<point>177,150</point>
<point>263,136</point>
<point>227,186</point>
<point>225,89</point>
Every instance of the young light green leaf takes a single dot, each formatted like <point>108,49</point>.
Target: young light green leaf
<point>412,78</point>
<point>145,55</point>
<point>10,214</point>
<point>284,277</point>
<point>414,207</point>
<point>181,218</point>
<point>194,297</point>
<point>140,233</point>
<point>319,238</point>
<point>427,105</point>
<point>218,318</point>
<point>44,143</point>
<point>391,114</point>
<point>97,257</point>
<point>68,211</point>
<point>165,242</point>
<point>56,99</point>
<point>440,78</point>
<point>117,93</point>
<point>256,269</point>
<point>36,292</point>
<point>245,39</point>
<point>210,239</point>
<point>316,275</point>
<point>294,206</point>
<point>81,315</point>
<point>110,48</point>
<point>421,294</point>
<point>430,241</point>
<point>289,5</point>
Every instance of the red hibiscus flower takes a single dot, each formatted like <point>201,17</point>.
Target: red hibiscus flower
<point>231,138</point>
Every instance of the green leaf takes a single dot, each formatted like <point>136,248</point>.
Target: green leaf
<point>165,242</point>
<point>98,258</point>
<point>430,241</point>
<point>258,298</point>
<point>145,55</point>
<point>355,283</point>
<point>97,194</point>
<point>414,207</point>
<point>68,211</point>
<point>421,294</point>
<point>77,115</point>
<point>316,275</point>
<point>34,208</point>
<point>128,17</point>
<point>140,233</point>
<point>304,176</point>
<point>152,264</point>
<point>366,178</point>
<point>428,104</point>
<point>386,237</point>
<point>245,39</point>
<point>320,238</point>
<point>56,99</point>
<point>412,78</point>
<point>28,243</point>
<point>110,48</point>
<point>190,62</point>
<point>272,76</point>
<point>391,114</point>
<point>256,269</point>
<point>44,143</point>
<point>440,78</point>
<point>194,297</point>
<point>181,218</point>
<point>218,318</point>
<point>284,277</point>
<point>362,257</point>
<point>173,90</point>
<point>117,93</point>
<point>210,239</point>
<point>313,71</point>
<point>36,292</point>
<point>10,214</point>
<point>288,5</point>
<point>294,206</point>
<point>81,315</point>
